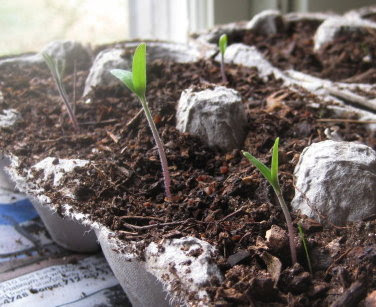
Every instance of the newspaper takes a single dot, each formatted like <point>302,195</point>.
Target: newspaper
<point>34,271</point>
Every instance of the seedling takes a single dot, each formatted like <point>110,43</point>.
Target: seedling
<point>57,72</point>
<point>222,48</point>
<point>135,80</point>
<point>302,238</point>
<point>271,174</point>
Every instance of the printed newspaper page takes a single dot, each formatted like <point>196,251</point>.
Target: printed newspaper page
<point>34,271</point>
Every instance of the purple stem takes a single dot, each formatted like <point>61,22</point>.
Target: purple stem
<point>290,228</point>
<point>223,74</point>
<point>158,141</point>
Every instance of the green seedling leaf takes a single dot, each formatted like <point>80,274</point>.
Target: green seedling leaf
<point>139,70</point>
<point>222,43</point>
<point>57,72</point>
<point>265,171</point>
<point>271,174</point>
<point>136,82</point>
<point>274,166</point>
<point>304,241</point>
<point>124,76</point>
<point>48,59</point>
<point>53,66</point>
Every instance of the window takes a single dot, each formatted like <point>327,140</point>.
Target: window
<point>168,19</point>
<point>28,25</point>
<point>104,21</point>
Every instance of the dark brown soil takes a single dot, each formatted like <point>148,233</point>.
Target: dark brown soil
<point>350,57</point>
<point>370,16</point>
<point>218,196</point>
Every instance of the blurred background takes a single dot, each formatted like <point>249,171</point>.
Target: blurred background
<point>28,25</point>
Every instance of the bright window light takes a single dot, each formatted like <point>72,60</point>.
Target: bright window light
<point>28,25</point>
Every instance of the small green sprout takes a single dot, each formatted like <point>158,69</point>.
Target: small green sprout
<point>271,174</point>
<point>302,238</point>
<point>135,80</point>
<point>222,48</point>
<point>57,72</point>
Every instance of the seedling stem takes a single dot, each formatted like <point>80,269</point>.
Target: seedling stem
<point>222,48</point>
<point>271,174</point>
<point>56,72</point>
<point>158,141</point>
<point>302,238</point>
<point>135,80</point>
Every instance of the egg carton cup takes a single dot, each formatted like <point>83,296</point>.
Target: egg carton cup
<point>351,99</point>
<point>145,273</point>
<point>165,272</point>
